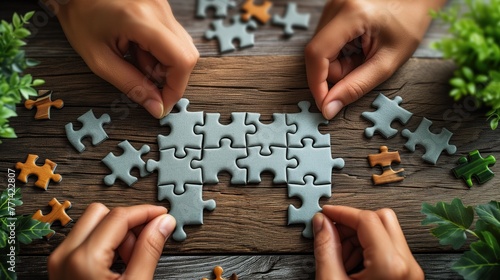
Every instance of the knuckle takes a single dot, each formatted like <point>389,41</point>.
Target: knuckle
<point>154,246</point>
<point>118,213</point>
<point>312,50</point>
<point>355,90</point>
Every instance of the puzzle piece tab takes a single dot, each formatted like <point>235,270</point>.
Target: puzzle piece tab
<point>260,12</point>
<point>291,19</point>
<point>267,135</point>
<point>307,127</point>
<point>276,163</point>
<point>45,173</point>
<point>213,131</point>
<point>220,7</point>
<point>475,165</point>
<point>384,160</point>
<point>218,274</point>
<point>187,208</point>
<point>43,104</point>
<point>58,213</point>
<point>92,127</point>
<point>122,165</point>
<point>236,31</point>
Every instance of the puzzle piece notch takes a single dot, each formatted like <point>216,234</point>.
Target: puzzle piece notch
<point>260,12</point>
<point>291,19</point>
<point>267,135</point>
<point>434,144</point>
<point>122,165</point>
<point>276,163</point>
<point>474,166</point>
<point>213,131</point>
<point>45,173</point>
<point>91,127</point>
<point>306,124</point>
<point>220,7</point>
<point>218,271</point>
<point>43,104</point>
<point>187,208</point>
<point>388,111</point>
<point>58,213</point>
<point>310,194</point>
<point>236,31</point>
<point>384,159</point>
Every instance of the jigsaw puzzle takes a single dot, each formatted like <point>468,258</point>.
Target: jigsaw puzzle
<point>91,127</point>
<point>220,7</point>
<point>276,163</point>
<point>267,135</point>
<point>388,111</point>
<point>187,208</point>
<point>213,131</point>
<point>122,165</point>
<point>43,104</point>
<point>475,165</point>
<point>384,160</point>
<point>291,19</point>
<point>306,126</point>
<point>236,31</point>
<point>218,274</point>
<point>434,144</point>
<point>58,213</point>
<point>44,173</point>
<point>260,12</point>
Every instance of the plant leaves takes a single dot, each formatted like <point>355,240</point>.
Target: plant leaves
<point>490,213</point>
<point>28,229</point>
<point>15,200</point>
<point>5,273</point>
<point>481,262</point>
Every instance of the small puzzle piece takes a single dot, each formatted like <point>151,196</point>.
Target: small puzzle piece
<point>475,165</point>
<point>182,134</point>
<point>387,112</point>
<point>220,6</point>
<point>176,171</point>
<point>45,173</point>
<point>213,131</point>
<point>317,162</point>
<point>58,213</point>
<point>236,31</point>
<point>267,135</point>
<point>92,127</point>
<point>218,274</point>
<point>310,195</point>
<point>43,104</point>
<point>187,208</point>
<point>434,144</point>
<point>307,127</point>
<point>276,162</point>
<point>260,12</point>
<point>123,164</point>
<point>384,160</point>
<point>291,19</point>
<point>222,159</point>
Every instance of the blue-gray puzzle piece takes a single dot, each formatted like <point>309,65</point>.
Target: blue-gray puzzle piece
<point>307,124</point>
<point>213,131</point>
<point>310,194</point>
<point>91,127</point>
<point>291,19</point>
<point>220,7</point>
<point>227,34</point>
<point>434,144</point>
<point>267,135</point>
<point>387,112</point>
<point>122,164</point>
<point>187,208</point>
<point>276,162</point>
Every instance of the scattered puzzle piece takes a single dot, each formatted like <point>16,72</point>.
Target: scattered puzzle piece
<point>45,173</point>
<point>92,127</point>
<point>213,131</point>
<point>187,208</point>
<point>476,166</point>
<point>58,213</point>
<point>291,19</point>
<point>220,6</point>
<point>276,162</point>
<point>307,124</point>
<point>384,160</point>
<point>227,34</point>
<point>43,104</point>
<point>218,274</point>
<point>260,12</point>
<point>387,112</point>
<point>310,194</point>
<point>122,165</point>
<point>434,144</point>
<point>267,135</point>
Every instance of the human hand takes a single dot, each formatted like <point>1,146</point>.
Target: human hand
<point>359,44</point>
<point>136,233</point>
<point>104,31</point>
<point>344,237</point>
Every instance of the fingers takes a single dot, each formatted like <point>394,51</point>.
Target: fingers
<point>391,224</point>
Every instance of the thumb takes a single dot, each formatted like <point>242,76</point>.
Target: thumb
<point>148,248</point>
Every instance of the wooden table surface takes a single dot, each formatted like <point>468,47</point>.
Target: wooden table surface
<point>247,233</point>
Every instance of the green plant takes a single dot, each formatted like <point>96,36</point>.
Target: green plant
<point>453,222</point>
<point>474,46</point>
<point>13,85</point>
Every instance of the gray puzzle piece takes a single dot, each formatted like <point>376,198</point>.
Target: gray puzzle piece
<point>277,163</point>
<point>220,6</point>
<point>121,165</point>
<point>227,34</point>
<point>267,135</point>
<point>182,134</point>
<point>213,131</point>
<point>187,208</point>
<point>307,127</point>
<point>388,111</point>
<point>92,127</point>
<point>310,195</point>
<point>434,144</point>
<point>291,19</point>
<point>222,159</point>
<point>313,161</point>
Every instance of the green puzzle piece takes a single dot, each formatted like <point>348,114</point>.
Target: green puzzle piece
<point>475,165</point>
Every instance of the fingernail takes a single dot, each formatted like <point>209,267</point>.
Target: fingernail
<point>167,111</point>
<point>167,225</point>
<point>154,107</point>
<point>332,109</point>
<point>318,220</point>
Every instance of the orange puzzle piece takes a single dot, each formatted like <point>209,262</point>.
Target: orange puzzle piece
<point>45,173</point>
<point>385,159</point>
<point>218,274</point>
<point>43,104</point>
<point>260,12</point>
<point>58,213</point>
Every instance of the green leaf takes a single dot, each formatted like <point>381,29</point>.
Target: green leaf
<point>37,82</point>
<point>28,16</point>
<point>27,92</point>
<point>452,220</point>
<point>5,273</point>
<point>481,262</point>
<point>14,197</point>
<point>490,213</point>
<point>16,20</point>
<point>28,229</point>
